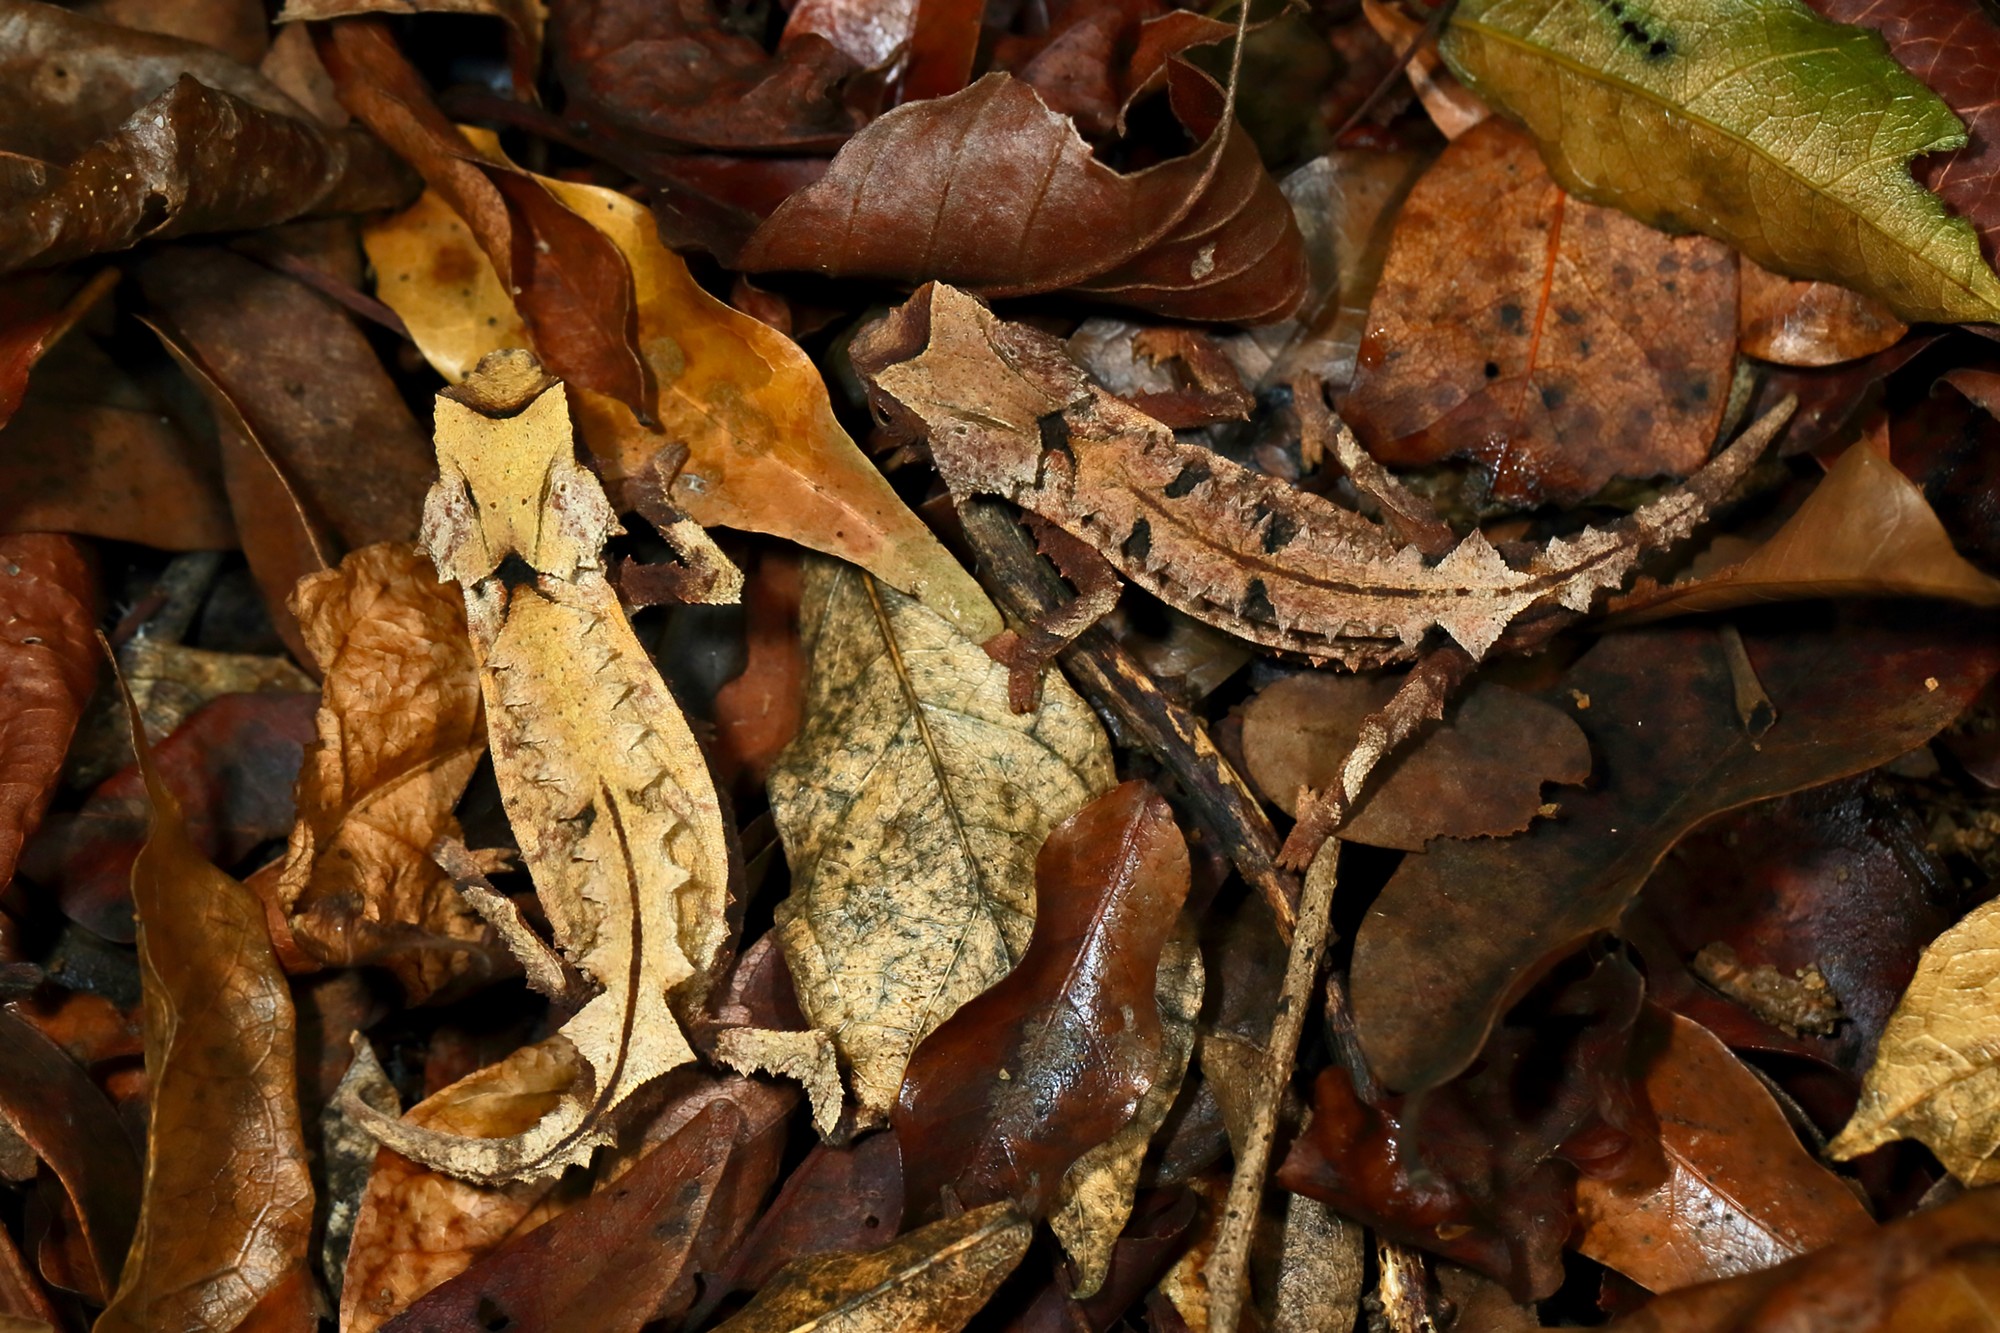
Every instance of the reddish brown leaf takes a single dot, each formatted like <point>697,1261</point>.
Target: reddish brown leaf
<point>1954,47</point>
<point>603,1266</point>
<point>1935,1272</point>
<point>48,667</point>
<point>1810,323</point>
<point>1741,1193</point>
<point>1460,928</point>
<point>197,160</point>
<point>991,190</point>
<point>758,712</point>
<point>1483,1169</point>
<point>570,283</point>
<point>1478,775</point>
<point>1557,344</point>
<point>309,385</point>
<point>48,1100</point>
<point>1052,1060</point>
<point>230,766</point>
<point>837,1200</point>
<point>672,71</point>
<point>39,310</point>
<point>944,38</point>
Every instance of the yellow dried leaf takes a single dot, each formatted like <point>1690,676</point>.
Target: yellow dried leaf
<point>912,806</point>
<point>224,1146</point>
<point>765,452</point>
<point>931,1281</point>
<point>1936,1076</point>
<point>400,733</point>
<point>609,796</point>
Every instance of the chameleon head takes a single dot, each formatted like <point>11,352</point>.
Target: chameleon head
<point>508,481</point>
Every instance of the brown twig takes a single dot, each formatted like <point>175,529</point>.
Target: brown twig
<point>1024,585</point>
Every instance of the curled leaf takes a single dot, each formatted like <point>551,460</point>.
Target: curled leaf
<point>912,863</point>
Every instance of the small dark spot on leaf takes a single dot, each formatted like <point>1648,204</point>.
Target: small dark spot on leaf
<point>1511,318</point>
<point>491,1317</point>
<point>1492,370</point>
<point>1552,397</point>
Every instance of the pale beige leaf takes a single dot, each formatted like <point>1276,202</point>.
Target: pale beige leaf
<point>1096,1197</point>
<point>931,1281</point>
<point>417,1228</point>
<point>912,805</point>
<point>807,1057</point>
<point>1321,1269</point>
<point>609,795</point>
<point>1936,1076</point>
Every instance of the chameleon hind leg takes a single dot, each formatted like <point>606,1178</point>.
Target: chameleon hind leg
<point>1027,652</point>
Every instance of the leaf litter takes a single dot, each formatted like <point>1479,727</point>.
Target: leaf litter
<point>1098,665</point>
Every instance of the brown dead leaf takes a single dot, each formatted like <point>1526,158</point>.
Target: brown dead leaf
<point>764,450</point>
<point>1052,1060</point>
<point>912,859</point>
<point>1741,1193</point>
<point>224,1142</point>
<point>604,1265</point>
<point>523,17</point>
<point>1558,344</point>
<point>931,1281</point>
<point>609,796</point>
<point>400,731</point>
<point>38,309</point>
<point>570,284</point>
<point>1480,774</point>
<point>48,668</point>
<point>1809,323</point>
<point>1865,531</point>
<point>991,190</point>
<point>416,1228</point>
<point>1932,1272</point>
<point>1936,1073</point>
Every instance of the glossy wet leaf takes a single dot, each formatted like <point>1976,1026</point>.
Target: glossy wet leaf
<point>48,668</point>
<point>1741,1192</point>
<point>930,1281</point>
<point>1053,1059</point>
<point>399,731</point>
<point>1758,123</point>
<point>1459,928</point>
<point>224,1141</point>
<point>1555,343</point>
<point>1935,1071</point>
<point>912,860</point>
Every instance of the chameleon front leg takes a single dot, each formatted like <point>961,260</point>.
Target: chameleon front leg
<point>1407,515</point>
<point>1421,698</point>
<point>1026,653</point>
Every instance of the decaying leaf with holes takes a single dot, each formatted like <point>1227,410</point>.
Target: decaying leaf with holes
<point>912,806</point>
<point>1008,413</point>
<point>607,791</point>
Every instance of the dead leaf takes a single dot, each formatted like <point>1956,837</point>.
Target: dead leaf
<point>1810,323</point>
<point>237,28</point>
<point>1098,1191</point>
<point>759,710</point>
<point>570,284</point>
<point>608,794</point>
<point>838,1199</point>
<point>416,1229</point>
<point>196,159</point>
<point>912,865</point>
<point>1480,774</point>
<point>50,1105</point>
<point>1936,1069</point>
<point>991,190</point>
<point>48,663</point>
<point>40,309</point>
<point>1931,1272</point>
<point>1052,1060</point>
<point>677,71</point>
<point>1320,1270</point>
<point>602,1266</point>
<point>400,731</point>
<point>224,1142</point>
<point>1459,928</point>
<point>931,1281</point>
<point>1864,531</point>
<point>1741,1193</point>
<point>1557,344</point>
<point>765,452</point>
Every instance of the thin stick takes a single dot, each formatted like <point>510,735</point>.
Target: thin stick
<point>1228,1267</point>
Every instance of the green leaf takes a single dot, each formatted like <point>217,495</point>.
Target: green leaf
<point>1754,121</point>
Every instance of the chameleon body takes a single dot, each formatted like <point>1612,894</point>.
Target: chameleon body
<point>1008,413</point>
